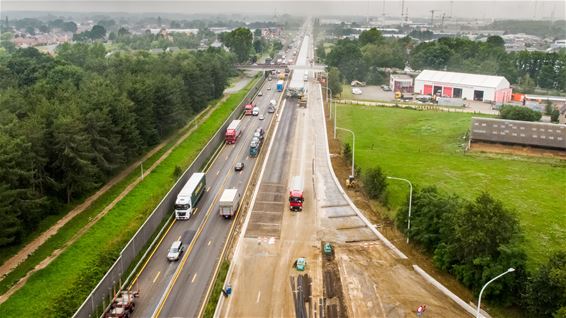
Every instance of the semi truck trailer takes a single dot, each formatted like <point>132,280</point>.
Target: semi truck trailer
<point>229,203</point>
<point>189,196</point>
<point>233,132</point>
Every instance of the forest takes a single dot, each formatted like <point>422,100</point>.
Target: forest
<point>363,58</point>
<point>69,123</point>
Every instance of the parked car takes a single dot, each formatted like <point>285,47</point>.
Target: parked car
<point>175,251</point>
<point>386,88</point>
<point>239,166</point>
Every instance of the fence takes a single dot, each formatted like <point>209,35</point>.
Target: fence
<point>112,281</point>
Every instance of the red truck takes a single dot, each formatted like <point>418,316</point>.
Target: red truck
<point>233,132</point>
<point>248,109</point>
<point>296,198</point>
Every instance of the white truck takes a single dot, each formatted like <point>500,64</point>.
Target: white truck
<point>229,202</point>
<point>189,196</point>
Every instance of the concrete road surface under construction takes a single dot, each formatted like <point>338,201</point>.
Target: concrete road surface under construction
<point>262,274</point>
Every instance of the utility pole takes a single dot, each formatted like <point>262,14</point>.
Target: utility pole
<point>451,5</point>
<point>431,18</point>
<point>442,23</point>
<point>402,10</point>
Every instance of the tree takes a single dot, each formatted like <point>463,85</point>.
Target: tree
<point>374,183</point>
<point>258,45</point>
<point>97,32</point>
<point>554,115</point>
<point>239,42</point>
<point>335,81</point>
<point>347,57</point>
<point>257,32</point>
<point>496,41</point>
<point>371,36</point>
<point>545,292</point>
<point>70,27</point>
<point>71,164</point>
<point>321,51</point>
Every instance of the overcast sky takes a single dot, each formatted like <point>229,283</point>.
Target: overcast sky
<point>486,9</point>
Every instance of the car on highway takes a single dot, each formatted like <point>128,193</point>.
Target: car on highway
<point>255,111</point>
<point>260,93</point>
<point>261,117</point>
<point>239,166</point>
<point>271,109</point>
<point>175,251</point>
<point>268,88</point>
<point>272,102</point>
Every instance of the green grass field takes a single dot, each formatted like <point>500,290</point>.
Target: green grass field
<point>41,296</point>
<point>428,149</point>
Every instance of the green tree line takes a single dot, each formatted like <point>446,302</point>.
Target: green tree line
<point>475,241</point>
<point>360,59</point>
<point>69,123</point>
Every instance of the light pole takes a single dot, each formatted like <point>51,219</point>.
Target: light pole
<point>410,203</point>
<point>353,144</point>
<point>511,269</point>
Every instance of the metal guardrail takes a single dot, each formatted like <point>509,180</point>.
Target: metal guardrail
<point>112,282</point>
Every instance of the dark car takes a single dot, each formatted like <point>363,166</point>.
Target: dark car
<point>239,166</point>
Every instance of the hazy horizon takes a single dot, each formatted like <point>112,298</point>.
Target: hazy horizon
<point>492,9</point>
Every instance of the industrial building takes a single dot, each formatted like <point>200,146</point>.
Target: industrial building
<point>486,88</point>
<point>504,131</point>
<point>401,83</point>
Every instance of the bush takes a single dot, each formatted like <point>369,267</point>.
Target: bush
<point>374,183</point>
<point>545,291</point>
<point>519,113</point>
<point>474,241</point>
<point>347,152</point>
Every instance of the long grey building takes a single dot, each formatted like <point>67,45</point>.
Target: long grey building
<point>517,132</point>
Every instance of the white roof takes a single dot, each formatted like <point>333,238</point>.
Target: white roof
<point>228,195</point>
<point>462,79</point>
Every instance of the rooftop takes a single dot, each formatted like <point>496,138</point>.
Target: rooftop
<point>462,78</point>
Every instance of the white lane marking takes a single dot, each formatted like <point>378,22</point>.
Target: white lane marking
<point>258,296</point>
<point>156,276</point>
<point>179,238</point>
<point>207,189</point>
<point>217,172</point>
<point>209,243</point>
<point>194,277</point>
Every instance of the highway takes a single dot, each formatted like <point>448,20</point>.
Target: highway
<point>178,288</point>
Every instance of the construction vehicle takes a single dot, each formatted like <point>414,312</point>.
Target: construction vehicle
<point>296,197</point>
<point>233,132</point>
<point>400,96</point>
<point>229,203</point>
<point>300,264</point>
<point>189,196</point>
<point>123,305</point>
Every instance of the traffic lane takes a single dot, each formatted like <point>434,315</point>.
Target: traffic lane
<point>157,274</point>
<point>276,170</point>
<point>195,277</point>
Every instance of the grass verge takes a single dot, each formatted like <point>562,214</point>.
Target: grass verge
<point>47,291</point>
<point>428,149</point>
<point>216,290</point>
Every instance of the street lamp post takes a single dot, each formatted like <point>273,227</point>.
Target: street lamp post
<point>410,203</point>
<point>511,269</point>
<point>353,144</point>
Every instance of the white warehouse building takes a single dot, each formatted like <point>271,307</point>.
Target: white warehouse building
<point>486,88</point>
